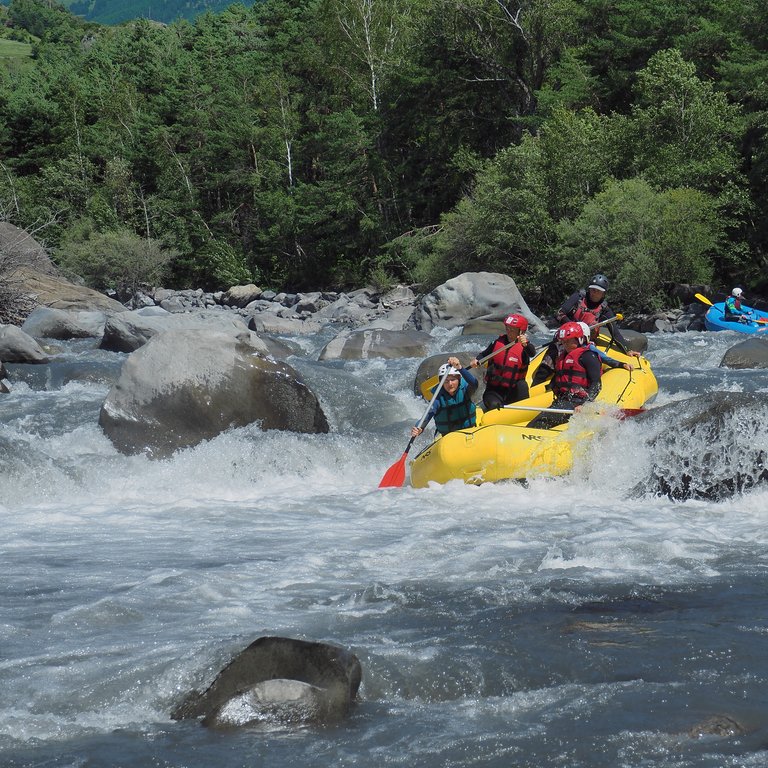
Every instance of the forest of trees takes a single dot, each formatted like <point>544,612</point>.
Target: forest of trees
<point>329,143</point>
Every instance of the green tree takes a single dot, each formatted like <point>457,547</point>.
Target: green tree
<point>503,225</point>
<point>644,239</point>
<point>682,130</point>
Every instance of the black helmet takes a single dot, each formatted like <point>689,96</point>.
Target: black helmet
<point>600,282</point>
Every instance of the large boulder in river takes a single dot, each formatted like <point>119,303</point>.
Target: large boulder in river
<point>186,386</point>
<point>49,323</point>
<point>636,341</point>
<point>269,322</point>
<point>128,331</point>
<point>19,347</point>
<point>750,353</point>
<point>708,447</point>
<point>278,680</point>
<point>376,342</point>
<point>472,296</point>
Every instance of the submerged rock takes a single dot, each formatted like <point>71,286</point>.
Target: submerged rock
<point>364,345</point>
<point>278,680</point>
<point>721,726</point>
<point>750,353</point>
<point>709,447</point>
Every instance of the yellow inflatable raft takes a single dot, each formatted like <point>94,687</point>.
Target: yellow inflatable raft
<point>502,447</point>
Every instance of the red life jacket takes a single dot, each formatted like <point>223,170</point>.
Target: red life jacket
<point>506,368</point>
<point>570,375</point>
<point>582,308</point>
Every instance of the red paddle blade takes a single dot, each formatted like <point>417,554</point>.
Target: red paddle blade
<point>627,412</point>
<point>394,477</point>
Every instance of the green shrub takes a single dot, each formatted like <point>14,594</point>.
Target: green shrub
<point>119,259</point>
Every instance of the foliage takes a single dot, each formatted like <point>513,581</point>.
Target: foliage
<point>119,260</point>
<point>644,238</point>
<point>220,267</point>
<point>504,225</point>
<point>325,143</point>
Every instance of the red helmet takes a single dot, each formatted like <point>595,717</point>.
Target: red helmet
<point>516,321</point>
<point>569,331</point>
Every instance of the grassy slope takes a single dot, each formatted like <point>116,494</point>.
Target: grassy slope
<point>10,49</point>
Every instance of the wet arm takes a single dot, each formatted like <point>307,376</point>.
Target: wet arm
<point>591,363</point>
<point>566,310</point>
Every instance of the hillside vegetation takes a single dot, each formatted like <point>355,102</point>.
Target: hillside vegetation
<point>326,143</point>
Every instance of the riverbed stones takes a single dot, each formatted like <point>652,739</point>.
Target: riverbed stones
<point>278,680</point>
<point>241,295</point>
<point>186,386</point>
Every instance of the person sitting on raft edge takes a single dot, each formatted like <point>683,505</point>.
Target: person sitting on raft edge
<point>576,379</point>
<point>505,377</point>
<point>453,407</point>
<point>732,309</point>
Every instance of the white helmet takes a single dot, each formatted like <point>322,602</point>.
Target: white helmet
<point>446,369</point>
<point>736,292</point>
<point>585,328</point>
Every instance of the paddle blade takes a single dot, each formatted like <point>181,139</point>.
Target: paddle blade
<point>703,299</point>
<point>427,386</point>
<point>628,412</point>
<point>394,477</point>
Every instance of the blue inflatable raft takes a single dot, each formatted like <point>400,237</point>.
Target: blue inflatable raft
<point>715,320</point>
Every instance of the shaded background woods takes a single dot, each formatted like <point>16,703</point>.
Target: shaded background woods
<point>326,143</point>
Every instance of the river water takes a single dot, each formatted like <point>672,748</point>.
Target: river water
<point>577,621</point>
